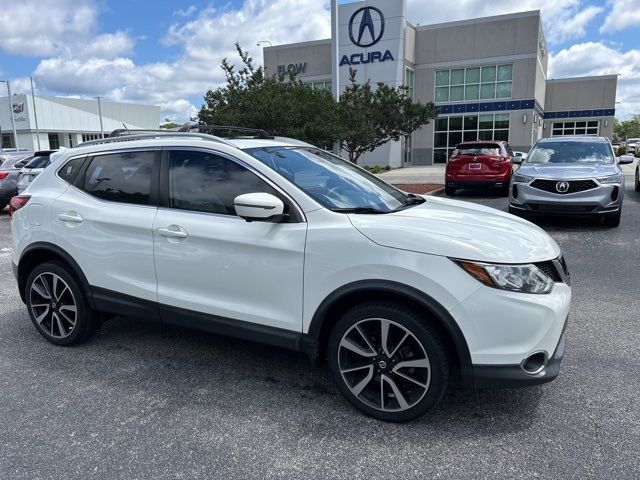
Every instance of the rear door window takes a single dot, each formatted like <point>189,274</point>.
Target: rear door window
<point>121,177</point>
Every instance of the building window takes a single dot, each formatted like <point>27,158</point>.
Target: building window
<point>7,141</point>
<point>54,141</point>
<point>410,82</point>
<point>70,141</point>
<point>474,83</point>
<point>450,131</point>
<point>87,137</point>
<point>321,85</point>
<point>561,129</point>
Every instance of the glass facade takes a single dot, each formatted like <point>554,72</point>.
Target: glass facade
<point>410,81</point>
<point>321,85</point>
<point>450,131</point>
<point>575,128</point>
<point>474,83</point>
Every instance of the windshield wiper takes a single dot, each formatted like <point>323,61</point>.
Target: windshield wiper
<point>358,210</point>
<point>412,200</point>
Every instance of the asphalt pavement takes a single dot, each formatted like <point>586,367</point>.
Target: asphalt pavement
<point>146,401</point>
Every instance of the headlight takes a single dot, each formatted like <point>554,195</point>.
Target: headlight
<point>522,178</point>
<point>617,178</point>
<point>515,278</point>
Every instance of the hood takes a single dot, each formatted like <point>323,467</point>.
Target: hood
<point>461,230</point>
<point>564,171</point>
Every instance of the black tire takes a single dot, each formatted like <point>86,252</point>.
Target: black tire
<point>56,313</point>
<point>422,344</point>
<point>449,191</point>
<point>637,182</point>
<point>613,220</point>
<point>3,205</point>
<point>505,190</point>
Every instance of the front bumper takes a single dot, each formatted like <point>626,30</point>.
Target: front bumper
<point>513,376</point>
<point>605,199</point>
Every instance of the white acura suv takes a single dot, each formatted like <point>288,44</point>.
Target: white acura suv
<point>276,241</point>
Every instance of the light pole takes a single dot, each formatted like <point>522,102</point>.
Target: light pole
<point>100,115</point>
<point>35,114</point>
<point>13,121</point>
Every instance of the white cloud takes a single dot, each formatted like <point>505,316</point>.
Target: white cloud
<point>563,19</point>
<point>38,28</point>
<point>187,12</point>
<point>623,14</point>
<point>205,39</point>
<point>596,58</point>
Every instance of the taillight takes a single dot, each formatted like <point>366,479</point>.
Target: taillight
<point>3,175</point>
<point>17,203</point>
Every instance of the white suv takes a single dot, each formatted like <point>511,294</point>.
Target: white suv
<point>276,241</point>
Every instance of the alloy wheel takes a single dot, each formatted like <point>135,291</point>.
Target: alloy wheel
<point>384,365</point>
<point>53,305</point>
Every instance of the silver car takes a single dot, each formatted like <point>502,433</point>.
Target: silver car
<point>10,165</point>
<point>570,176</point>
<point>34,167</point>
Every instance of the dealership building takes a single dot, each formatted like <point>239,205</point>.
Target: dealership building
<point>66,122</point>
<point>486,76</point>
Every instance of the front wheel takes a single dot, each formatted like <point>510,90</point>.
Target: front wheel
<point>637,179</point>
<point>58,307</point>
<point>388,361</point>
<point>613,220</point>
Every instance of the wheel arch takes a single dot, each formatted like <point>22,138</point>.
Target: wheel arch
<point>41,252</point>
<point>315,341</point>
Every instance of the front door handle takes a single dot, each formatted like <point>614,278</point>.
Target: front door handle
<point>71,217</point>
<point>173,231</point>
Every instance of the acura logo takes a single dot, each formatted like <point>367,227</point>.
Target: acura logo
<point>562,187</point>
<point>367,17</point>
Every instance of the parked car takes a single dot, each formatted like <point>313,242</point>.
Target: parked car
<point>570,176</point>
<point>276,241</point>
<point>33,168</point>
<point>633,146</point>
<point>10,165</point>
<point>522,156</point>
<point>479,164</point>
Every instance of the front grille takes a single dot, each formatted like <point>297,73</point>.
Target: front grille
<point>549,269</point>
<point>540,207</point>
<point>575,186</point>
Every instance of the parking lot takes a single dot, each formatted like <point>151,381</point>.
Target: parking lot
<point>146,401</point>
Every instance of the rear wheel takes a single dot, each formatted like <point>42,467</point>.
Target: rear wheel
<point>504,190</point>
<point>3,205</point>
<point>613,220</point>
<point>637,179</point>
<point>449,191</point>
<point>58,307</point>
<point>388,362</point>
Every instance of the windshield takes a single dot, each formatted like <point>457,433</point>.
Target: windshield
<point>40,161</point>
<point>331,181</point>
<point>571,152</point>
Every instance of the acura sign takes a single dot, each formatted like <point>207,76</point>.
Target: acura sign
<point>366,28</point>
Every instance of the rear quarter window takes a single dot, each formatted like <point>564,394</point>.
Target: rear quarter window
<point>70,170</point>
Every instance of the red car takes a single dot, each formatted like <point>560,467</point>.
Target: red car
<point>479,164</point>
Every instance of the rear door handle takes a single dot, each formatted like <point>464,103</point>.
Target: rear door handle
<point>71,217</point>
<point>173,231</point>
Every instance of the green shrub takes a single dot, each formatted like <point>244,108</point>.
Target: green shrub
<point>622,150</point>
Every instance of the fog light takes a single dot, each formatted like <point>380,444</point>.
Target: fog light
<point>534,364</point>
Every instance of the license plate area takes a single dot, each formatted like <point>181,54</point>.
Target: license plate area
<point>475,166</point>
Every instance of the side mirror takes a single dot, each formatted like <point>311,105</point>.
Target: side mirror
<point>625,159</point>
<point>259,207</point>
<point>516,159</point>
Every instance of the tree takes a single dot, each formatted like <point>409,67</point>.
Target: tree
<point>281,106</point>
<point>627,128</point>
<point>168,124</point>
<point>370,117</point>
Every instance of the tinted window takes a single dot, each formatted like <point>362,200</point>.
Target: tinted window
<point>70,170</point>
<point>333,182</point>
<point>478,149</point>
<point>121,177</point>
<point>571,152</point>
<point>205,182</point>
<point>40,161</point>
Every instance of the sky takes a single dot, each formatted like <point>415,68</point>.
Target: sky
<point>168,53</point>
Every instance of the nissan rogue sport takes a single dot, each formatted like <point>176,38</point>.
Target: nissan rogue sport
<point>276,241</point>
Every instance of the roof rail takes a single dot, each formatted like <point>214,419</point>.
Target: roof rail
<point>251,132</point>
<point>149,135</point>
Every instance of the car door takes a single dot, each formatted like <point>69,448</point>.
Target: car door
<point>212,266</point>
<point>105,220</point>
